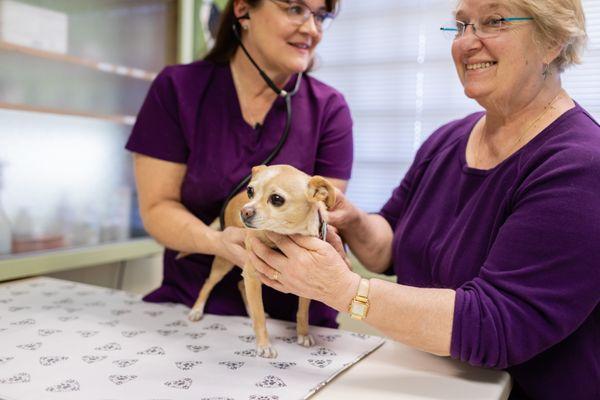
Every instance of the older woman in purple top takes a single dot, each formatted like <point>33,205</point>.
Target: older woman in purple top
<point>204,125</point>
<point>494,232</point>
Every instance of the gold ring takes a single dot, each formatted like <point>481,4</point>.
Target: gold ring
<point>276,276</point>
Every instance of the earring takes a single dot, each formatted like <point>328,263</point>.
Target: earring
<point>546,71</point>
<point>245,27</point>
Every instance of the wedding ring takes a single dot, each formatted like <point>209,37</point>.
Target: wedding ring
<point>275,276</point>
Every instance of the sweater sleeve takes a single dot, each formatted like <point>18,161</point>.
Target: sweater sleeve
<point>157,132</point>
<point>540,280</point>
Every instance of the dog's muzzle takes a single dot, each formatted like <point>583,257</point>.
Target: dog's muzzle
<point>247,214</point>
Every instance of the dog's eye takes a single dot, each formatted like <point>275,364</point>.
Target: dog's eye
<point>250,192</point>
<point>276,200</point>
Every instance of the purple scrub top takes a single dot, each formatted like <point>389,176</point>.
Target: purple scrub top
<point>520,244</point>
<point>192,116</point>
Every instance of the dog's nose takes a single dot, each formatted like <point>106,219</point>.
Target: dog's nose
<point>248,212</point>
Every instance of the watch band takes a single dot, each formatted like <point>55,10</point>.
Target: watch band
<point>359,306</point>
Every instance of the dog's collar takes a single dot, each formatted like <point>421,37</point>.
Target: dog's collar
<point>322,227</point>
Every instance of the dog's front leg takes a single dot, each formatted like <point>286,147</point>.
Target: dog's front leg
<point>304,338</point>
<point>257,312</point>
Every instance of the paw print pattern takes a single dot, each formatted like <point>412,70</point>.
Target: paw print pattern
<point>71,310</point>
<point>15,309</point>
<point>282,364</point>
<point>184,383</point>
<point>287,339</point>
<point>247,338</point>
<point>49,293</point>
<point>360,335</point>
<point>153,351</point>
<point>130,334</point>
<point>119,312</point>
<point>217,398</point>
<point>21,377</point>
<point>95,304</point>
<point>196,348</point>
<point>195,335</point>
<point>178,323</point>
<point>121,379</point>
<point>167,332</point>
<point>187,365</point>
<point>319,363</point>
<point>5,301</point>
<point>215,327</point>
<point>271,381</point>
<point>23,322</point>
<point>125,363</point>
<point>63,301</point>
<point>329,338</point>
<point>263,397</point>
<point>153,313</point>
<point>70,385</point>
<point>92,359</point>
<point>68,318</point>
<point>246,353</point>
<point>109,347</point>
<point>87,334</point>
<point>84,293</point>
<point>232,365</point>
<point>323,351</point>
<point>19,292</point>
<point>30,346</point>
<point>51,360</point>
<point>50,307</point>
<point>4,360</point>
<point>48,332</point>
<point>114,322</point>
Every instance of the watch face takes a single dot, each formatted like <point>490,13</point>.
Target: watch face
<point>209,16</point>
<point>358,308</point>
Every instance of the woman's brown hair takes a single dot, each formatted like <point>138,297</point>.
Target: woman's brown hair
<point>226,43</point>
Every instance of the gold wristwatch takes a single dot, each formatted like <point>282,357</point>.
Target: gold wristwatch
<point>359,306</point>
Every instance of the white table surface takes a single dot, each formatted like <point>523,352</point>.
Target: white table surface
<point>396,371</point>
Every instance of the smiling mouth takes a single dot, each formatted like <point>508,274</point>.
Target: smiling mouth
<point>301,46</point>
<point>480,66</point>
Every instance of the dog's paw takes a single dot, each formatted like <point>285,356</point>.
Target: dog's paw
<point>195,314</point>
<point>267,351</point>
<point>306,340</point>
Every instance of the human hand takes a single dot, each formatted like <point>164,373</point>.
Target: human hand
<point>334,239</point>
<point>307,267</point>
<point>230,245</point>
<point>343,214</point>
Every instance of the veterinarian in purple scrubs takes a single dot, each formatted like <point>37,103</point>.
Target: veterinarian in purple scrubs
<point>203,126</point>
<point>494,232</point>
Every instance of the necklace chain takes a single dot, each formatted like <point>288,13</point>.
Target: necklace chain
<point>522,135</point>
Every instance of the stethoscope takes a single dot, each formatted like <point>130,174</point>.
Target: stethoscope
<point>288,104</point>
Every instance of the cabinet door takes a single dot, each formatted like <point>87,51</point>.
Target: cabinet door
<point>73,75</point>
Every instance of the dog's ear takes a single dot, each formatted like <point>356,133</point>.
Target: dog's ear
<point>320,189</point>
<point>257,169</point>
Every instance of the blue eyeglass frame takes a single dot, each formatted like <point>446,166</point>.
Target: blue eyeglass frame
<point>507,19</point>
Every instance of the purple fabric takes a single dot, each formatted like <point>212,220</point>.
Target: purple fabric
<point>520,243</point>
<point>192,115</point>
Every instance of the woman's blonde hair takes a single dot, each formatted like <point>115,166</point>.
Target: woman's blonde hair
<point>558,22</point>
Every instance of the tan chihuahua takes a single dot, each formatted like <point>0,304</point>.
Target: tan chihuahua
<point>281,199</point>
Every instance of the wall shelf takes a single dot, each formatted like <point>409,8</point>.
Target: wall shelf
<point>119,119</point>
<point>69,59</point>
<point>44,262</point>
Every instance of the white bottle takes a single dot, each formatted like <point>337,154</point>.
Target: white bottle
<point>5,232</point>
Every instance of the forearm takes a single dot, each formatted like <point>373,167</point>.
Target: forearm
<point>172,225</point>
<point>370,240</point>
<point>418,317</point>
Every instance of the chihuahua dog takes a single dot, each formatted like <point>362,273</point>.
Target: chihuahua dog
<point>279,199</point>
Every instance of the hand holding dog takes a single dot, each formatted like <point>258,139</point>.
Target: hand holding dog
<point>231,245</point>
<point>343,214</point>
<point>308,267</point>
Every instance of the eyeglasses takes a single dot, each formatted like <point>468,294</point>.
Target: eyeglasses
<point>485,28</point>
<point>298,13</point>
